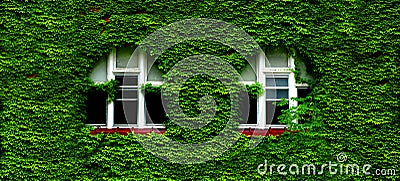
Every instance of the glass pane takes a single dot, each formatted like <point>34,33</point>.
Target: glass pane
<point>303,70</point>
<point>127,94</point>
<point>248,73</point>
<point>99,73</point>
<point>273,112</point>
<point>279,82</point>
<point>129,80</point>
<point>96,107</point>
<point>124,54</point>
<point>282,94</point>
<point>303,92</point>
<point>277,57</point>
<point>155,109</point>
<point>252,119</point>
<point>277,93</point>
<point>154,74</point>
<point>127,116</point>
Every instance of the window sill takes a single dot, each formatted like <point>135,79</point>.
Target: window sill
<point>271,131</point>
<point>125,131</point>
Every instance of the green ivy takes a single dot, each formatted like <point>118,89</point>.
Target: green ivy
<point>49,48</point>
<point>109,87</point>
<point>255,90</point>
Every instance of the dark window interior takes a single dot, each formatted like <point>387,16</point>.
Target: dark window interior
<point>127,94</point>
<point>96,107</point>
<point>129,101</point>
<point>253,112</point>
<point>154,109</point>
<point>127,116</point>
<point>303,92</point>
<point>270,111</point>
<point>129,80</point>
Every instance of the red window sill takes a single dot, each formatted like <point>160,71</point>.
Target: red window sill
<point>246,131</point>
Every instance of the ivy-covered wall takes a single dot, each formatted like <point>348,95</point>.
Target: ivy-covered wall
<point>49,48</point>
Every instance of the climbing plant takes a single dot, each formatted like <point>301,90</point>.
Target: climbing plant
<point>48,50</point>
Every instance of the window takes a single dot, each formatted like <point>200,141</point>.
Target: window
<point>272,70</point>
<point>97,100</point>
<point>129,66</point>
<point>278,81</point>
<point>128,97</point>
<point>276,88</point>
<point>96,108</point>
<point>252,119</point>
<point>154,109</point>
<point>303,91</point>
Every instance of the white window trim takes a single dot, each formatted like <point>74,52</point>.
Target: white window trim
<point>110,76</point>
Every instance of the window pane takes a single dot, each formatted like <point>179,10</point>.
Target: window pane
<point>154,109</point>
<point>124,54</point>
<point>277,57</point>
<point>248,73</point>
<point>96,107</point>
<point>127,94</point>
<point>252,119</point>
<point>279,82</point>
<point>273,112</point>
<point>154,74</point>
<point>99,73</point>
<point>122,116</point>
<point>129,80</point>
<point>303,92</point>
<point>277,93</point>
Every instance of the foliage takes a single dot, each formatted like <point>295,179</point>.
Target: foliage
<point>255,90</point>
<point>49,48</point>
<point>110,87</point>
